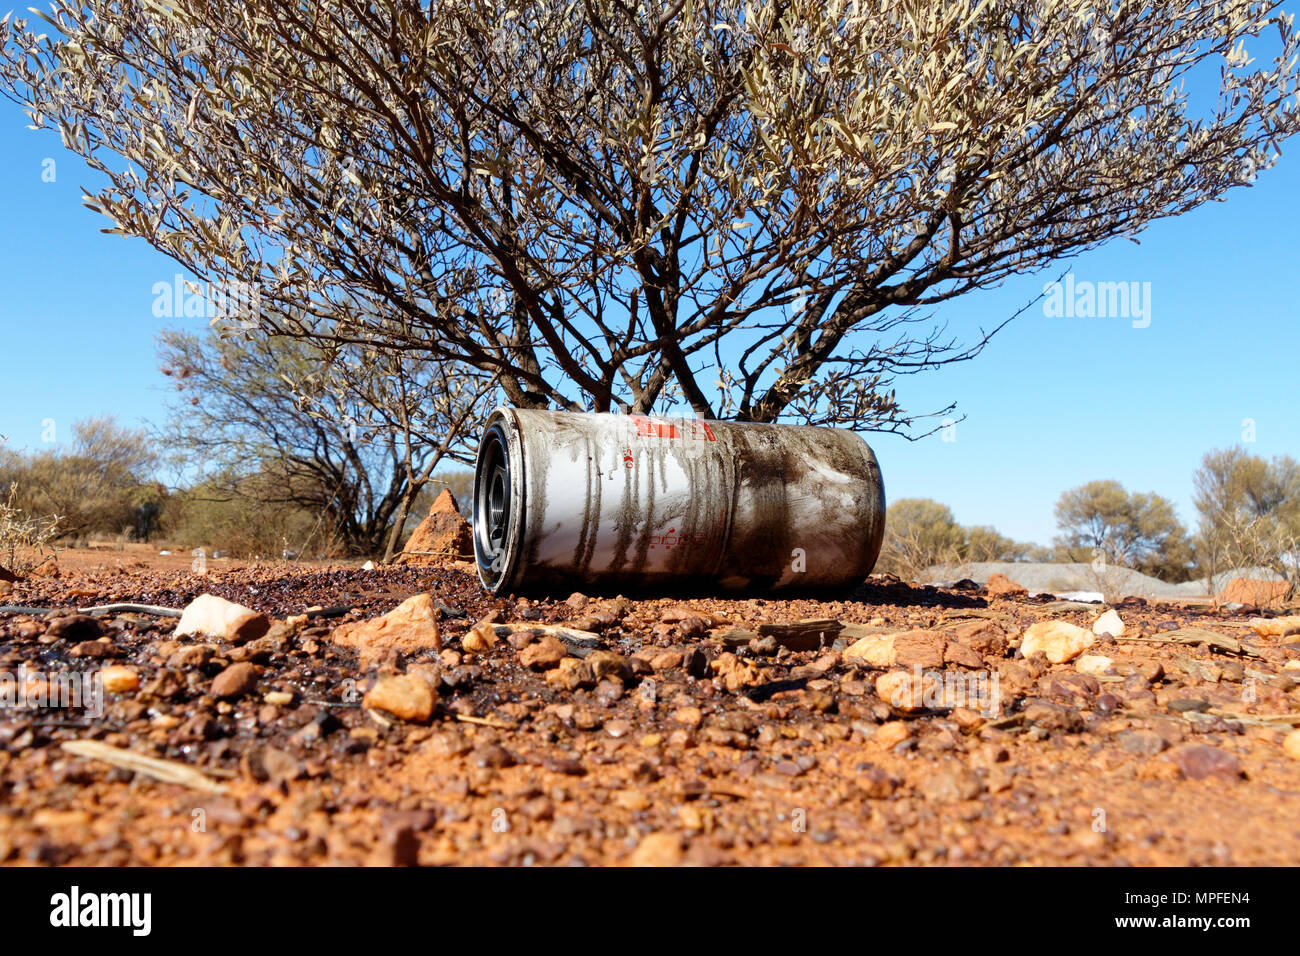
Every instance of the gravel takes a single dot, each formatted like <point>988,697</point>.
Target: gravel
<point>1059,579</point>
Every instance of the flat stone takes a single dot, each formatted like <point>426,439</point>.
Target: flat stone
<point>235,681</point>
<point>1143,742</point>
<point>543,654</point>
<point>409,628</point>
<point>1199,761</point>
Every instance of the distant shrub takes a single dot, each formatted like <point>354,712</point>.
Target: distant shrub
<point>24,539</point>
<point>245,526</point>
<point>96,484</point>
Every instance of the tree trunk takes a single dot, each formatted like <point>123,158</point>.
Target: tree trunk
<point>399,522</point>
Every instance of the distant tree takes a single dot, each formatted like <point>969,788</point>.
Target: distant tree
<point>919,533</point>
<point>431,407</point>
<point>1249,511</point>
<point>746,210</point>
<point>984,543</point>
<point>1046,554</point>
<point>246,516</point>
<point>148,504</point>
<point>346,433</point>
<point>94,484</point>
<point>1101,520</point>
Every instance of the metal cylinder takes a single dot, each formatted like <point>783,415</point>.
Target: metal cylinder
<point>564,499</point>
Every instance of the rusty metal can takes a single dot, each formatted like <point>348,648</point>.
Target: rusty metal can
<point>565,499</point>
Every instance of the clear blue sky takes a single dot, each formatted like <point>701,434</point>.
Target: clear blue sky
<point>1052,403</point>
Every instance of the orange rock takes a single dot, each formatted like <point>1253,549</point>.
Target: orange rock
<point>1254,591</point>
<point>409,628</point>
<point>1291,744</point>
<point>119,680</point>
<point>962,656</point>
<point>480,640</point>
<point>235,681</point>
<point>874,650</point>
<point>657,849</point>
<point>607,664</point>
<point>901,690</point>
<point>735,673</point>
<point>1002,586</point>
<point>919,648</point>
<point>915,648</point>
<point>891,734</point>
<point>543,654</point>
<point>49,568</point>
<point>1276,626</point>
<point>442,536</point>
<point>689,716</point>
<point>572,673</point>
<point>983,637</point>
<point>404,696</point>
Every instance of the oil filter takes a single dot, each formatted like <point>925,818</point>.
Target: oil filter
<point>565,500</point>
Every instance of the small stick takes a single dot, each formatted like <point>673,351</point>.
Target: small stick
<point>1260,718</point>
<point>487,722</point>
<point>1218,641</point>
<point>101,609</point>
<point>1010,720</point>
<point>955,613</point>
<point>153,609</point>
<point>168,771</point>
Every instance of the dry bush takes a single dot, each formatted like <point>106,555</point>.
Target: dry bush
<point>98,484</point>
<point>591,200</point>
<point>1250,514</point>
<point>24,538</point>
<point>345,433</point>
<point>250,525</point>
<point>919,533</point>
